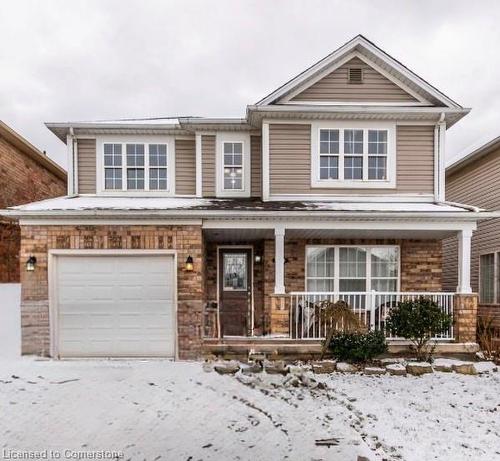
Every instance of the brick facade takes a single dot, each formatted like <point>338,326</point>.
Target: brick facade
<point>38,240</point>
<point>421,267</point>
<point>465,310</point>
<point>22,180</point>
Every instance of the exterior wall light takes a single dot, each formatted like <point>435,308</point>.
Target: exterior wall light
<point>30,264</point>
<point>258,258</point>
<point>189,264</point>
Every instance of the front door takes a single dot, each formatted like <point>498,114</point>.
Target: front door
<point>235,291</point>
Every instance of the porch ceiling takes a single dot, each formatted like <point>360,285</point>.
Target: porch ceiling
<point>249,234</point>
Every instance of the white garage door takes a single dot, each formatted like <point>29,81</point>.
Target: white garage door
<point>115,306</point>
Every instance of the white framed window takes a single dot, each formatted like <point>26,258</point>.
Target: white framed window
<point>353,154</point>
<point>329,154</point>
<point>137,165</point>
<point>158,163</point>
<point>377,155</point>
<point>113,174</point>
<point>489,278</point>
<point>348,268</point>
<point>232,164</point>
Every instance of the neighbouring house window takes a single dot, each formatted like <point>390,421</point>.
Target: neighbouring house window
<point>487,278</point>
<point>233,166</point>
<point>329,154</point>
<point>353,157</point>
<point>113,166</point>
<point>352,269</point>
<point>135,166</point>
<point>157,166</point>
<point>377,154</point>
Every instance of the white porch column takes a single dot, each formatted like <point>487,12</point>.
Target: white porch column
<point>279,260</point>
<point>464,261</point>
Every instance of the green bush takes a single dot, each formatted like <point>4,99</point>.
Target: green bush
<point>356,346</point>
<point>418,321</point>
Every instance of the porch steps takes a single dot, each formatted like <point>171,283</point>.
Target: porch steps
<point>256,348</point>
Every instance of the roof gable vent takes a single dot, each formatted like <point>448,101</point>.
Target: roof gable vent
<point>355,75</point>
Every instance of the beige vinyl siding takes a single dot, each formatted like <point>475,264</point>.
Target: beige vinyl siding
<point>256,169</point>
<point>208,165</point>
<point>290,162</point>
<point>185,167</point>
<point>335,87</point>
<point>86,166</point>
<point>475,184</point>
<point>415,159</point>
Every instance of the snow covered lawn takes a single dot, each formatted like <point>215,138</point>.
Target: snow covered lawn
<point>160,410</point>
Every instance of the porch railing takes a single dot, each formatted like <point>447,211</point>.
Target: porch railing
<point>307,320</point>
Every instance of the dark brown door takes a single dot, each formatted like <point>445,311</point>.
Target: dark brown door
<point>235,291</point>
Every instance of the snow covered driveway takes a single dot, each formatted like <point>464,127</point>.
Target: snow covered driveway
<point>160,410</point>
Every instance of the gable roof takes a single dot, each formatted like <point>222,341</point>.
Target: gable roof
<point>336,88</point>
<point>31,151</point>
<point>472,154</point>
<point>361,47</point>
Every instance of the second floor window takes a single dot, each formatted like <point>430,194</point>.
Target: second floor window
<point>233,166</point>
<point>353,154</point>
<point>157,166</point>
<point>353,157</point>
<point>329,154</point>
<point>113,166</point>
<point>136,167</point>
<point>377,154</point>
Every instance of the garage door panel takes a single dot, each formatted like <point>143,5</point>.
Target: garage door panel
<point>116,305</point>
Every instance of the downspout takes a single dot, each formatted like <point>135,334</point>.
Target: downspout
<point>71,161</point>
<point>441,193</point>
<point>75,164</point>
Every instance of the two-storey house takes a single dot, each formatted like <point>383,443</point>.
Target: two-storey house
<point>185,235</point>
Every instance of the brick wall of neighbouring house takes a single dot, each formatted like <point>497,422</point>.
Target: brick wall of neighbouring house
<point>22,180</point>
<point>37,240</point>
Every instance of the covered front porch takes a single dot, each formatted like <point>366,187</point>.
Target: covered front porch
<point>266,281</point>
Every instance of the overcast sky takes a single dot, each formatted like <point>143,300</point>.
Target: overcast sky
<point>87,60</point>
